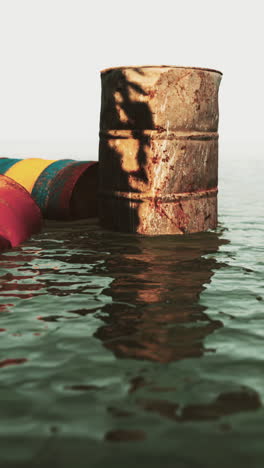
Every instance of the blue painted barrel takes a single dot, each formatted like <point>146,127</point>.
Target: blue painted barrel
<point>42,187</point>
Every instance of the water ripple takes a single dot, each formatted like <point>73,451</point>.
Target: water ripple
<point>115,345</point>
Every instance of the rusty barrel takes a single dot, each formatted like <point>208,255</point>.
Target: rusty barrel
<point>19,214</point>
<point>158,151</point>
<point>63,189</point>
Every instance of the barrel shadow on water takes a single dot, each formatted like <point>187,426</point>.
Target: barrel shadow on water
<point>155,315</point>
<point>162,279</point>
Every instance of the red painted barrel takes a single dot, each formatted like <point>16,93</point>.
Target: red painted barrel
<point>20,217</point>
<point>63,189</point>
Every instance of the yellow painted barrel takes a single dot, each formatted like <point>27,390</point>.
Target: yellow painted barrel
<point>27,171</point>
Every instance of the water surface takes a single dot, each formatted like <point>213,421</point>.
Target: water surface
<point>120,349</point>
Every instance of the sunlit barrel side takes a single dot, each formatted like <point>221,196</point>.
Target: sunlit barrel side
<point>73,192</point>
<point>19,214</point>
<point>27,171</point>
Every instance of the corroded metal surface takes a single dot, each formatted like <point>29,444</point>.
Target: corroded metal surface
<point>73,192</point>
<point>158,149</point>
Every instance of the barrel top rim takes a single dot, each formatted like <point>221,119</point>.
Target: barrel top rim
<point>106,70</point>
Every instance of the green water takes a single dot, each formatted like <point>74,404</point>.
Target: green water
<point>120,350</point>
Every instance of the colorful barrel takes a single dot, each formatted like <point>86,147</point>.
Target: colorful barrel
<point>63,189</point>
<point>41,189</point>
<point>158,149</point>
<point>68,190</point>
<point>27,171</point>
<point>19,214</point>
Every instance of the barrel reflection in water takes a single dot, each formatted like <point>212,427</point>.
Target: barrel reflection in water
<point>94,346</point>
<point>155,313</point>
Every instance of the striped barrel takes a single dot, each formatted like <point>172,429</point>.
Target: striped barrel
<point>63,189</point>
<point>19,214</point>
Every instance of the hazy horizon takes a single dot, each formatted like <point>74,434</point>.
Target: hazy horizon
<point>52,53</point>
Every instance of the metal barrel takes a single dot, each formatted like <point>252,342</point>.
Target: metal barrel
<point>19,214</point>
<point>63,189</point>
<point>158,150</point>
<point>73,192</point>
<point>41,189</point>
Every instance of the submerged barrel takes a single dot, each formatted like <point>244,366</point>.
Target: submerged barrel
<point>158,151</point>
<point>63,189</point>
<point>20,217</point>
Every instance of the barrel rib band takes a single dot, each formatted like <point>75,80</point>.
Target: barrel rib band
<point>169,198</point>
<point>157,134</point>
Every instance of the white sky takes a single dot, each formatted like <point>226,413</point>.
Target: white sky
<point>51,52</point>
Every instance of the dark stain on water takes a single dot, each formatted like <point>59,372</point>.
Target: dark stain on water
<point>120,349</point>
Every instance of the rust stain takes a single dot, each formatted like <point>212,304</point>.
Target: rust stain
<point>159,164</point>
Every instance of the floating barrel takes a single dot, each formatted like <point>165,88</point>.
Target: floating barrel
<point>20,217</point>
<point>67,190</point>
<point>158,149</point>
<point>63,189</point>
<point>27,171</point>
